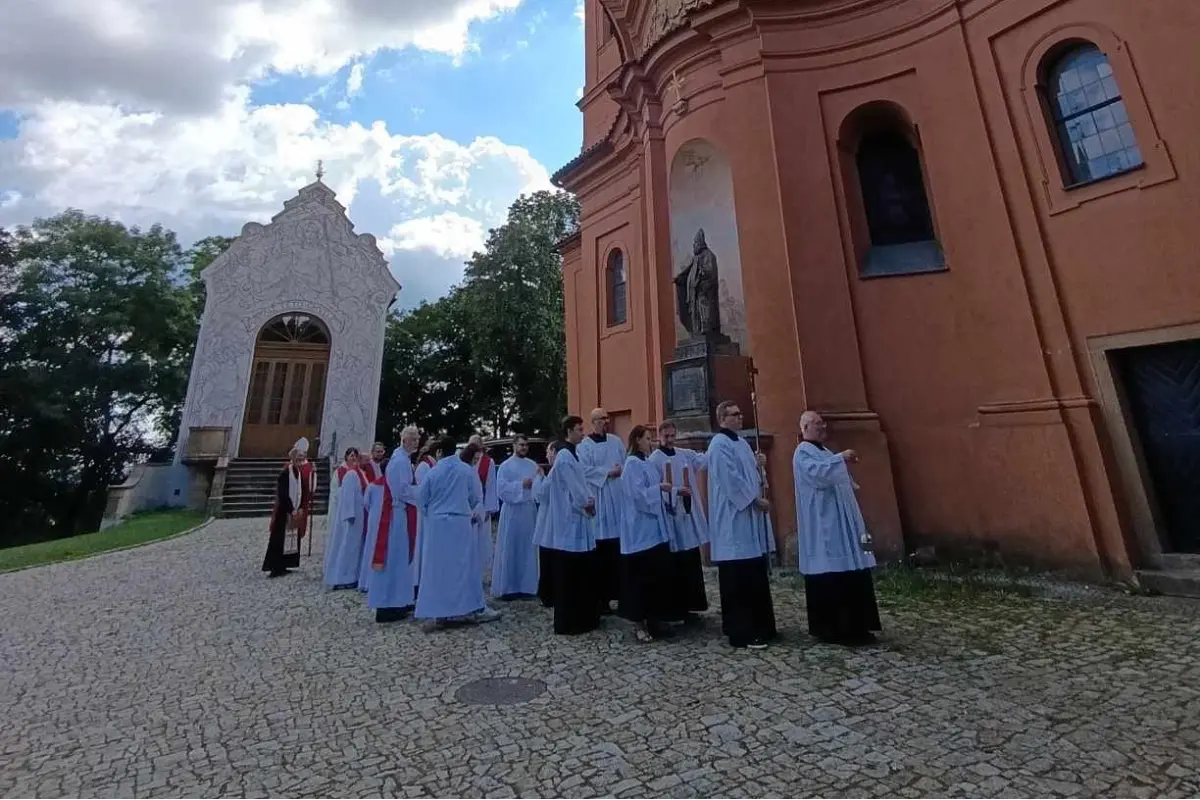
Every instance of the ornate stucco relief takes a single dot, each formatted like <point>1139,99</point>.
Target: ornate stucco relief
<point>307,259</point>
<point>665,16</point>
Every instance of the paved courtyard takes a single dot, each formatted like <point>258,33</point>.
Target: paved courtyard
<point>179,669</point>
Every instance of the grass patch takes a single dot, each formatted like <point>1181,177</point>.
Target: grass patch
<point>949,585</point>
<point>137,530</point>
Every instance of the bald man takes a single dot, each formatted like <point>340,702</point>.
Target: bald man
<point>835,549</point>
<point>602,455</point>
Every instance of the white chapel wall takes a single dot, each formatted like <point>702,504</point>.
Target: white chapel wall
<point>307,260</point>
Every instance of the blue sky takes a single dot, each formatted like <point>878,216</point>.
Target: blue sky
<point>520,84</point>
<point>431,115</point>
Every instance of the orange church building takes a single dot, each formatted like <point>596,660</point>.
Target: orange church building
<point>963,230</point>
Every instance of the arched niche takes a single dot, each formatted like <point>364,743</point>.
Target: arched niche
<point>701,198</point>
<point>286,396</point>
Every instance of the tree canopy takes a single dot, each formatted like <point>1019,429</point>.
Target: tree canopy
<point>96,331</point>
<point>488,356</point>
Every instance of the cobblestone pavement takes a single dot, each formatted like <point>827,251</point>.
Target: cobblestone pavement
<point>179,669</point>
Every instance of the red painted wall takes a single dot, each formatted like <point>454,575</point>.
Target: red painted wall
<point>968,391</point>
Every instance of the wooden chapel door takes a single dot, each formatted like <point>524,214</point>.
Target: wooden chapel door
<point>287,386</point>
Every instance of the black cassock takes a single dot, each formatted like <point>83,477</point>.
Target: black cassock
<point>283,546</point>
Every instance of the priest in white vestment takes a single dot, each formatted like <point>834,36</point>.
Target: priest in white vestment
<point>602,455</point>
<point>515,562</point>
<point>645,551</point>
<point>686,523</point>
<point>568,531</point>
<point>391,594</point>
<point>450,497</point>
<point>344,543</point>
<point>834,546</point>
<point>741,535</point>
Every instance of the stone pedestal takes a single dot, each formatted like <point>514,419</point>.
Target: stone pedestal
<point>701,374</point>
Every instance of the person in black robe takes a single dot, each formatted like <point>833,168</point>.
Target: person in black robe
<point>576,594</point>
<point>283,543</point>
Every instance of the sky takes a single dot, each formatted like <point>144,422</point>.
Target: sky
<point>431,116</point>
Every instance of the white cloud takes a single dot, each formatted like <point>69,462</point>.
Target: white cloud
<point>432,198</point>
<point>354,82</point>
<point>182,55</point>
<point>449,235</point>
<point>579,11</point>
<point>140,110</point>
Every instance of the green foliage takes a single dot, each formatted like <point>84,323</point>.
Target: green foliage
<point>427,372</point>
<point>137,530</point>
<point>96,331</point>
<point>490,355</point>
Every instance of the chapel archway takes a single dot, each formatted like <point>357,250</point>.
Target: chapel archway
<point>287,385</point>
<point>701,198</point>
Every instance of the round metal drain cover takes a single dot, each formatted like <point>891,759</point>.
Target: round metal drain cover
<point>499,691</point>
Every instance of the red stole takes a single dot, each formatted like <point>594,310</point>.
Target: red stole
<point>485,468</point>
<point>379,557</point>
<point>368,469</point>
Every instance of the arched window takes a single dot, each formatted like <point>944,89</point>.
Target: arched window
<point>894,201</point>
<point>295,328</point>
<point>615,287</point>
<point>1095,137</point>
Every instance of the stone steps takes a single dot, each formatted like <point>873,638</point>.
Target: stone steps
<point>250,487</point>
<point>1179,576</point>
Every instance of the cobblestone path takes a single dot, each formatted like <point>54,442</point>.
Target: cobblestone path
<point>179,669</point>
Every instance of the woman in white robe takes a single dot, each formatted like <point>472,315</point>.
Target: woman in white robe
<point>344,545</point>
<point>645,552</point>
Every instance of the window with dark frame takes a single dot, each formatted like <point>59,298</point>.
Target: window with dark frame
<point>1090,121</point>
<point>893,190</point>
<point>615,280</point>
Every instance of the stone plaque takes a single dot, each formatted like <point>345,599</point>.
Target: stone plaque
<point>687,388</point>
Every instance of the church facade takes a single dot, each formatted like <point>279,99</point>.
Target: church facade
<point>291,339</point>
<point>960,229</point>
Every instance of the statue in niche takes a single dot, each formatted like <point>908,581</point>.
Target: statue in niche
<point>698,292</point>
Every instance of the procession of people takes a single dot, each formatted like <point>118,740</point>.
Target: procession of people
<point>604,527</point>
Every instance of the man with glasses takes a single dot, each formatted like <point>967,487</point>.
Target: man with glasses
<point>740,533</point>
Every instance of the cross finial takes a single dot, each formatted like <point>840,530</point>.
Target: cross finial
<point>320,169</point>
<point>677,85</point>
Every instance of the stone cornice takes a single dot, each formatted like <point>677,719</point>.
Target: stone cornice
<point>665,32</point>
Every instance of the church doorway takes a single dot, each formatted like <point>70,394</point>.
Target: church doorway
<point>1162,386</point>
<point>287,386</point>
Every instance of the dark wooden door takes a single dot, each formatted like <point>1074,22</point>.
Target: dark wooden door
<point>1162,384</point>
<point>287,386</point>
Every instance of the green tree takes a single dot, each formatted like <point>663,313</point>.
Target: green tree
<point>512,294</point>
<point>96,330</point>
<point>427,372</point>
<point>199,256</point>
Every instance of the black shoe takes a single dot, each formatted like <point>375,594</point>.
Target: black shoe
<point>691,620</point>
<point>758,644</point>
<point>391,614</point>
<point>279,573</point>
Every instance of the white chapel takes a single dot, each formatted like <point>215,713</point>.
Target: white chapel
<point>291,340</point>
